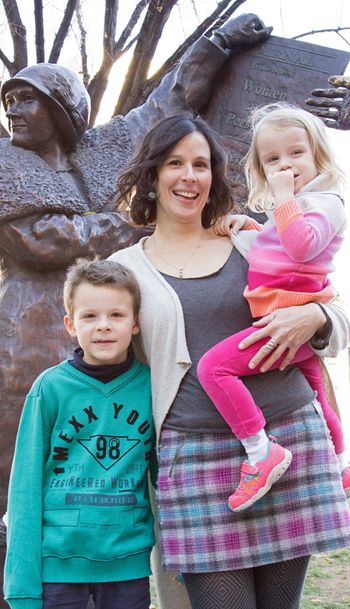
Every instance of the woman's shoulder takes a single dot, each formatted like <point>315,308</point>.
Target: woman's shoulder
<point>128,253</point>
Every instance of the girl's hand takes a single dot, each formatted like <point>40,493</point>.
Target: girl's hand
<point>281,184</point>
<point>231,223</point>
<point>285,331</point>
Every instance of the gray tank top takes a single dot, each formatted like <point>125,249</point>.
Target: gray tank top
<point>214,308</point>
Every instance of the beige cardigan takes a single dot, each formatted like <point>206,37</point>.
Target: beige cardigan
<point>163,341</point>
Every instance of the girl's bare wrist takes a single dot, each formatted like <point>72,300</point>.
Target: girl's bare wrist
<point>282,198</point>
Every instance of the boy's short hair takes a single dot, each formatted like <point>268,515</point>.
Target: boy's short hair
<point>99,272</point>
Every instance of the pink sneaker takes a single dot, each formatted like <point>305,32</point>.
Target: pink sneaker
<point>345,476</point>
<point>256,480</point>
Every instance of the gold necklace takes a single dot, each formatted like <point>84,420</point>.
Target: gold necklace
<point>179,269</point>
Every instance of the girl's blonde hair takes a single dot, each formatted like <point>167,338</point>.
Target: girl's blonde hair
<point>283,115</point>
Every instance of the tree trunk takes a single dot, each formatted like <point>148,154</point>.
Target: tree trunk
<point>112,50</point>
<point>157,15</point>
<point>62,31</point>
<point>39,31</point>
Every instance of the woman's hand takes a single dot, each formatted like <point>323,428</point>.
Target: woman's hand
<point>285,331</point>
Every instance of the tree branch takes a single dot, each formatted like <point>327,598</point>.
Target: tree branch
<point>83,53</point>
<point>335,30</point>
<point>19,37</point>
<point>99,82</point>
<point>119,49</point>
<point>343,38</point>
<point>6,61</point>
<point>3,131</point>
<point>225,16</point>
<point>155,79</point>
<point>158,13</point>
<point>110,26</point>
<point>112,50</point>
<point>62,31</point>
<point>39,31</point>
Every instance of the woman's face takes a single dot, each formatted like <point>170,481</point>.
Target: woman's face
<point>184,180</point>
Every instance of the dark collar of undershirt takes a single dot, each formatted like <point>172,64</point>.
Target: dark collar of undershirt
<point>103,373</point>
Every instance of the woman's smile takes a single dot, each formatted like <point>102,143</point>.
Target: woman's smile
<point>185,178</point>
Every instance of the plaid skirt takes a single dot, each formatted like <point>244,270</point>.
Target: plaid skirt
<point>305,512</point>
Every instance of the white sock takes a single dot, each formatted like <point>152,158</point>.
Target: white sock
<point>343,462</point>
<point>256,446</point>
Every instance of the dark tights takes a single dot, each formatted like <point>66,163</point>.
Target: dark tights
<point>275,586</point>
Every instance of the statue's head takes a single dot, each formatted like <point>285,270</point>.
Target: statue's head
<point>63,92</point>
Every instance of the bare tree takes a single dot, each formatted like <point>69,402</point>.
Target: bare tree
<point>152,28</point>
<point>142,32</point>
<point>147,17</point>
<point>19,34</point>
<point>214,20</point>
<point>19,38</point>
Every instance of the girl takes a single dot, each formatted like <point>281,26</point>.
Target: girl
<point>292,176</point>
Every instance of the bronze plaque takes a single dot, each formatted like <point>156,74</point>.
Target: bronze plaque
<point>279,69</point>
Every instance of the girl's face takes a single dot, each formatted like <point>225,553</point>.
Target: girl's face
<point>184,180</point>
<point>281,148</point>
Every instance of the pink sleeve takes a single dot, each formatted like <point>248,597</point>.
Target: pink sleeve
<point>303,236</point>
<point>253,225</point>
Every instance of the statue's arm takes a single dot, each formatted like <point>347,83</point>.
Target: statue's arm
<point>188,86</point>
<point>49,241</point>
<point>333,104</point>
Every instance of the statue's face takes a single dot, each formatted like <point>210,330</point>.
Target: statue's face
<point>31,124</point>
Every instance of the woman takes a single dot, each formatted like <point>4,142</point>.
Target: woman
<point>192,296</point>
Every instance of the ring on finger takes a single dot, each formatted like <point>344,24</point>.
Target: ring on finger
<point>271,344</point>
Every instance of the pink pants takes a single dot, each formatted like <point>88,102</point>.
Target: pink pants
<point>220,368</point>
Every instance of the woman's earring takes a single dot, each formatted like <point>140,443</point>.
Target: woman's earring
<point>208,201</point>
<point>151,195</point>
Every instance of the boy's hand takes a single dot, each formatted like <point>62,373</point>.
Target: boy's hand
<point>281,184</point>
<point>231,223</point>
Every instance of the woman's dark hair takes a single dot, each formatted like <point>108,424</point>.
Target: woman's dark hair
<point>140,177</point>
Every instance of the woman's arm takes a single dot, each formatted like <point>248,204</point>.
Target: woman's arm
<point>291,327</point>
<point>339,335</point>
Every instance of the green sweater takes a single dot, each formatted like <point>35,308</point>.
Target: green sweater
<point>79,508</point>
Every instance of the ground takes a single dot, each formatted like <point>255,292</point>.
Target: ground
<point>328,582</point>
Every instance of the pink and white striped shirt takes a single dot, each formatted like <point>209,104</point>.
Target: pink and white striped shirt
<point>291,255</point>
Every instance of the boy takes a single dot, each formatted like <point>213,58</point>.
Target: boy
<point>80,521</point>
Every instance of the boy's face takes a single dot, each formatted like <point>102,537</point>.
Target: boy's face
<point>103,322</point>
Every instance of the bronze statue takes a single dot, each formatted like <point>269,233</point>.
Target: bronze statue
<point>333,104</point>
<point>57,184</point>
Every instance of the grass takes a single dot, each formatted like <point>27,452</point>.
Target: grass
<point>328,581</point>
